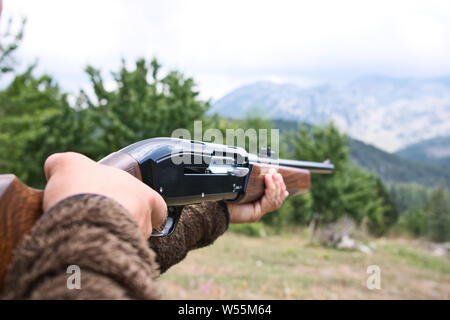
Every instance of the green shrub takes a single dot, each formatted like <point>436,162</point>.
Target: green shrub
<point>249,229</point>
<point>414,221</point>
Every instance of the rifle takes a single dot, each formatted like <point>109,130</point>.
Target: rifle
<point>182,171</point>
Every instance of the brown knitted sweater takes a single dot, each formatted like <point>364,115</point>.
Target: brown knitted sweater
<point>99,236</point>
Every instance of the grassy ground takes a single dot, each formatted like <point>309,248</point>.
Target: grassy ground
<point>288,267</point>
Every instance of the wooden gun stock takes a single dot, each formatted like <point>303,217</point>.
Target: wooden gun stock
<point>20,207</point>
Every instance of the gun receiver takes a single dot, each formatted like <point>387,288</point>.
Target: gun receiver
<point>182,171</point>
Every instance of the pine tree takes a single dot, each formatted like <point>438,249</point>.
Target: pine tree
<point>438,210</point>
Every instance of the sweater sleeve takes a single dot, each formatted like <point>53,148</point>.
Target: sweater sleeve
<point>199,226</point>
<point>93,233</point>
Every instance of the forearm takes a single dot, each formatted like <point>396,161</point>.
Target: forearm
<point>97,235</point>
<point>199,226</point>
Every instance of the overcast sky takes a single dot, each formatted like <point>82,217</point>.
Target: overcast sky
<point>225,44</point>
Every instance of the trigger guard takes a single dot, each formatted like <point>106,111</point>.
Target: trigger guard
<point>173,216</point>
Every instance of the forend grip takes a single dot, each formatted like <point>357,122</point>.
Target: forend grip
<point>296,180</point>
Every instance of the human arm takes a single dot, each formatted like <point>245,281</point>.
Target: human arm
<point>91,221</point>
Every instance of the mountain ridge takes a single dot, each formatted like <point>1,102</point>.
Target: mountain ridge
<point>435,151</point>
<point>390,167</point>
<point>389,113</point>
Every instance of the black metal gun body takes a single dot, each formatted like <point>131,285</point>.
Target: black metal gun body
<point>187,172</point>
<point>180,170</point>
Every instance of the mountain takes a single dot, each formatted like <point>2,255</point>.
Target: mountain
<point>392,168</point>
<point>436,151</point>
<point>387,112</point>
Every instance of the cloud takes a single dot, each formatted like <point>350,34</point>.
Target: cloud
<point>223,44</point>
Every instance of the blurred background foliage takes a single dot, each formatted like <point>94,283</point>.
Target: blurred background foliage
<point>36,120</point>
